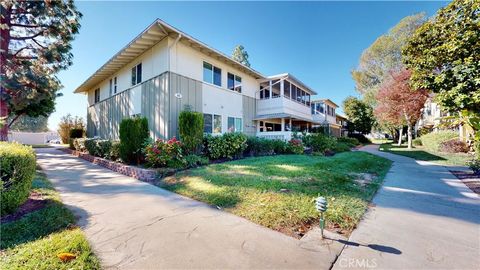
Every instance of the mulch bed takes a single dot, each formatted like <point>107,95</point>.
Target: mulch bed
<point>34,202</point>
<point>471,180</point>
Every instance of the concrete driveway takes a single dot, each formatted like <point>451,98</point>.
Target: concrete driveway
<point>134,225</point>
<point>422,218</point>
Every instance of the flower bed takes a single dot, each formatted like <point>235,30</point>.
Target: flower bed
<point>142,174</point>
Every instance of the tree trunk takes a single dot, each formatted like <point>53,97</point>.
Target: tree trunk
<point>3,120</point>
<point>400,133</point>
<point>409,135</point>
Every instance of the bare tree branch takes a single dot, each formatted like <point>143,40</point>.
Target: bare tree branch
<point>29,37</point>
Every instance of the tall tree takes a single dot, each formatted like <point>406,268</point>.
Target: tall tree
<point>383,56</point>
<point>398,103</point>
<point>241,55</point>
<point>444,57</point>
<point>34,47</point>
<point>359,114</point>
<point>31,124</point>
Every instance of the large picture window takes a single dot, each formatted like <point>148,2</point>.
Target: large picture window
<point>207,123</point>
<point>137,74</point>
<point>234,82</point>
<point>212,74</point>
<point>212,123</point>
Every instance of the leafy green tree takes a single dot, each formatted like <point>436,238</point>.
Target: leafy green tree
<point>34,46</point>
<point>444,56</point>
<point>359,114</point>
<point>241,55</point>
<point>384,56</point>
<point>31,124</point>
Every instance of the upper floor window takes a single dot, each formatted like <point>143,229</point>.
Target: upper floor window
<point>212,74</point>
<point>97,95</point>
<point>234,82</point>
<point>115,85</point>
<point>110,87</point>
<point>137,74</point>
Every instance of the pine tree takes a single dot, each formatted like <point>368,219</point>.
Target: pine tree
<point>241,55</point>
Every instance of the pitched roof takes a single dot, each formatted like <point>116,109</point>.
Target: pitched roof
<point>148,38</point>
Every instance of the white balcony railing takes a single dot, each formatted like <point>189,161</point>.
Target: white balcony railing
<point>279,105</point>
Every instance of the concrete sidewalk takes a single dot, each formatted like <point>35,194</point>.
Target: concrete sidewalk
<point>134,225</point>
<point>422,218</point>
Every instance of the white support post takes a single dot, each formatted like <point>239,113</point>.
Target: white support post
<point>290,123</point>
<point>282,90</point>
<point>283,124</point>
<point>270,89</point>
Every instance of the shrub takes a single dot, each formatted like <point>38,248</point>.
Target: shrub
<point>228,145</point>
<point>295,146</point>
<point>321,143</point>
<point>432,141</point>
<point>423,131</point>
<point>360,137</point>
<point>349,141</point>
<point>79,144</point>
<point>279,146</point>
<point>76,133</point>
<point>190,125</point>
<point>133,134</point>
<point>115,150</point>
<point>341,147</point>
<point>193,161</point>
<point>99,148</point>
<point>474,165</point>
<point>417,142</point>
<point>454,146</point>
<point>67,123</point>
<point>17,169</point>
<point>163,153</point>
<point>259,147</point>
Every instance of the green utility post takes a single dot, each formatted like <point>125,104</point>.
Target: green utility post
<point>321,205</point>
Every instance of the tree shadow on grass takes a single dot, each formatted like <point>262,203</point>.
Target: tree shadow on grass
<point>416,154</point>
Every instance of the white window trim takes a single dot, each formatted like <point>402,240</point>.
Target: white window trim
<point>213,74</point>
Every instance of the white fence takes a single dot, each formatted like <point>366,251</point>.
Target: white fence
<point>31,137</point>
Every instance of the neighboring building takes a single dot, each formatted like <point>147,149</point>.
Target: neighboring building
<point>323,111</point>
<point>343,122</point>
<point>163,69</point>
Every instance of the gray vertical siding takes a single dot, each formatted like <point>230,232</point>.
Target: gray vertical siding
<point>103,118</point>
<point>249,111</point>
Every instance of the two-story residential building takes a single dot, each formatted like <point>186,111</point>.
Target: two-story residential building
<point>323,112</point>
<point>163,70</point>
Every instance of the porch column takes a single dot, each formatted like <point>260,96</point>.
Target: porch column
<point>281,88</point>
<point>270,89</point>
<point>290,123</point>
<point>283,124</point>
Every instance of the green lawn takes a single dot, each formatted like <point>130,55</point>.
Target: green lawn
<point>279,191</point>
<point>34,241</point>
<point>420,153</point>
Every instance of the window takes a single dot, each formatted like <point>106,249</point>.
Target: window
<point>115,85</point>
<point>294,92</point>
<point>212,124</point>
<point>212,74</point>
<point>286,89</point>
<point>207,123</point>
<point>137,74</point>
<point>235,124</point>
<point>110,87</point>
<point>234,82</point>
<point>217,124</point>
<point>97,95</point>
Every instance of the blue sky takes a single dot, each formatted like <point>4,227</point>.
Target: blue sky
<point>318,42</point>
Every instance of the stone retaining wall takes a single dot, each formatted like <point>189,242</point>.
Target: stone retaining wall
<point>142,174</point>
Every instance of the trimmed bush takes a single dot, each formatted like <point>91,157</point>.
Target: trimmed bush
<point>17,169</point>
<point>76,133</point>
<point>279,146</point>
<point>195,161</point>
<point>99,148</point>
<point>349,141</point>
<point>454,146</point>
<point>341,147</point>
<point>115,150</point>
<point>417,142</point>
<point>432,141</point>
<point>360,137</point>
<point>165,154</point>
<point>79,144</point>
<point>475,166</point>
<point>295,146</point>
<point>133,134</point>
<point>319,142</point>
<point>228,145</point>
<point>190,125</point>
